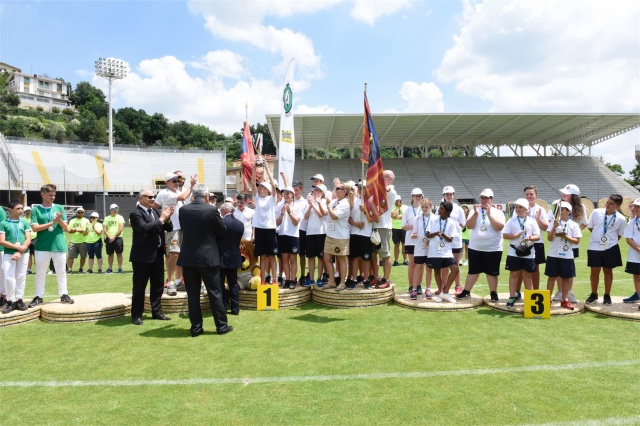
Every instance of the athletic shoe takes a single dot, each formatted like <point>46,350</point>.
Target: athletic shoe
<point>413,294</point>
<point>383,284</point>
<point>419,289</point>
<point>557,297</point>
<point>8,308</point>
<point>50,273</point>
<point>494,296</point>
<point>592,298</point>
<point>572,298</point>
<point>360,279</point>
<point>69,271</point>
<point>511,302</point>
<point>465,263</point>
<point>319,283</point>
<point>447,298</point>
<point>438,299</point>
<point>171,289</point>
<point>350,284</point>
<point>29,272</point>
<point>66,299</point>
<point>566,304</point>
<point>99,271</point>
<point>395,263</point>
<point>464,294</point>
<point>374,281</point>
<point>405,263</point>
<point>120,270</point>
<point>180,286</point>
<point>606,300</point>
<point>309,282</point>
<point>632,299</point>
<point>35,302</point>
<point>3,302</point>
<point>325,277</point>
<point>292,284</point>
<point>458,289</point>
<point>80,271</point>
<point>280,282</point>
<point>428,294</point>
<point>518,296</point>
<point>301,281</point>
<point>19,305</point>
<point>267,279</point>
<point>367,284</point>
<point>89,271</point>
<point>109,271</point>
<point>409,290</point>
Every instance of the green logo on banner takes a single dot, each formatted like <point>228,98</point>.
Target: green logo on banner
<point>287,99</point>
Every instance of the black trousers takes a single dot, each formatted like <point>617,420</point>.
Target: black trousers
<point>153,273</point>
<point>233,294</point>
<point>193,276</point>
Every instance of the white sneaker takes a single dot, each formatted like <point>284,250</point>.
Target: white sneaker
<point>171,289</point>
<point>50,273</point>
<point>557,297</point>
<point>572,298</point>
<point>465,263</point>
<point>438,299</point>
<point>447,297</point>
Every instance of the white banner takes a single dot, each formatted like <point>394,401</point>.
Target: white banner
<point>287,142</point>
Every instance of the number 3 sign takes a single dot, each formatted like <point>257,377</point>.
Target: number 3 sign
<point>537,304</point>
<point>268,297</point>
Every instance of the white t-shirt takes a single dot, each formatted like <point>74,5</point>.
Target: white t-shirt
<point>484,237</point>
<point>560,247</point>
<point>421,227</point>
<point>513,226</point>
<point>286,225</point>
<point>616,224</point>
<point>316,225</point>
<point>409,218</point>
<point>441,248</point>
<point>457,215</point>
<point>265,213</point>
<point>385,219</point>
<point>302,204</point>
<point>166,198</point>
<point>245,216</point>
<point>533,211</point>
<point>359,216</point>
<point>339,228</point>
<point>633,231</point>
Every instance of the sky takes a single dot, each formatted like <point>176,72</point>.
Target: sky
<point>201,61</point>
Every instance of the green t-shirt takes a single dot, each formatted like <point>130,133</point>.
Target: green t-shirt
<point>49,240</point>
<point>3,217</point>
<point>112,223</point>
<point>14,232</point>
<point>80,224</point>
<point>93,235</point>
<point>397,223</point>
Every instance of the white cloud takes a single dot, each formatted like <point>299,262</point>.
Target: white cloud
<point>369,11</point>
<point>619,150</point>
<point>320,109</point>
<point>420,98</point>
<point>546,55</point>
<point>223,63</point>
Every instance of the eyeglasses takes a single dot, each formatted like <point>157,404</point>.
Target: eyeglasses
<point>341,189</point>
<point>151,197</point>
<point>485,198</point>
<point>174,181</point>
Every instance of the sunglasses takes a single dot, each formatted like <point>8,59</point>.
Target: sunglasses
<point>174,181</point>
<point>485,198</point>
<point>341,189</point>
<point>151,197</point>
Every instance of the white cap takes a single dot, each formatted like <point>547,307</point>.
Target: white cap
<point>320,186</point>
<point>636,202</point>
<point>94,214</point>
<point>448,190</point>
<point>113,206</point>
<point>570,189</point>
<point>398,197</point>
<point>170,176</point>
<point>565,205</point>
<point>416,191</point>
<point>27,208</point>
<point>522,203</point>
<point>80,209</point>
<point>266,185</point>
<point>228,200</point>
<point>487,193</point>
<point>319,177</point>
<point>288,188</point>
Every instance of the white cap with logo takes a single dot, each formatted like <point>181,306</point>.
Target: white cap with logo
<point>487,193</point>
<point>448,190</point>
<point>416,191</point>
<point>570,189</point>
<point>113,207</point>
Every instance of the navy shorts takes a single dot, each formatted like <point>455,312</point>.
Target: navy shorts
<point>398,235</point>
<point>576,252</point>
<point>360,247</point>
<point>440,262</point>
<point>314,245</point>
<point>116,246</point>
<point>420,260</point>
<point>540,254</point>
<point>632,268</point>
<point>484,262</point>
<point>301,242</point>
<point>609,258</point>
<point>94,249</point>
<point>288,244</point>
<point>515,263</point>
<point>266,242</point>
<point>557,267</point>
<point>456,250</point>
<point>409,249</point>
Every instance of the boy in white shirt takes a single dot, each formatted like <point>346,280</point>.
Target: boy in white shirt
<point>264,224</point>
<point>419,234</point>
<point>632,234</point>
<point>441,235</point>
<point>606,226</point>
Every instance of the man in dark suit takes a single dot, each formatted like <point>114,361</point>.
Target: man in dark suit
<point>230,258</point>
<point>201,224</point>
<point>147,255</point>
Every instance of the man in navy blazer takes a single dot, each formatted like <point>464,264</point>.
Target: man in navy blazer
<point>230,257</point>
<point>201,225</point>
<point>147,255</point>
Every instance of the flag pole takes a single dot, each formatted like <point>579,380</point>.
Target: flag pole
<point>363,180</point>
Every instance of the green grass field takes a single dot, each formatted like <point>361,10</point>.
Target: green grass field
<point>318,365</point>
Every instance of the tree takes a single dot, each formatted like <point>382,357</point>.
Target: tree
<point>157,130</point>
<point>122,134</point>
<point>136,120</point>
<point>615,168</point>
<point>9,98</point>
<point>634,174</point>
<point>89,98</point>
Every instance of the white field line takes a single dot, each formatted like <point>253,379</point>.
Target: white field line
<point>596,422</point>
<point>300,379</point>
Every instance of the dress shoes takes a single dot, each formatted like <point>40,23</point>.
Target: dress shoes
<point>196,332</point>
<point>235,313</point>
<point>161,317</point>
<point>225,330</point>
<point>137,321</point>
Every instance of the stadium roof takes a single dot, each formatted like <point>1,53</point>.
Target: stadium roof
<point>577,131</point>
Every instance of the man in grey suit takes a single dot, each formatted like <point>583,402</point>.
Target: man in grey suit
<point>201,224</point>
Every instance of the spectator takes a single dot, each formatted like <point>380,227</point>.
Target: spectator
<point>15,237</point>
<point>113,226</point>
<point>27,215</point>
<point>398,235</point>
<point>244,214</point>
<point>78,228</point>
<point>94,242</point>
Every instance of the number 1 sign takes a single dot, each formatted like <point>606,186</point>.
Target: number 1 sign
<point>268,297</point>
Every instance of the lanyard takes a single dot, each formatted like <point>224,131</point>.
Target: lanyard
<point>522,226</point>
<point>414,211</point>
<point>606,225</point>
<point>442,229</point>
<point>637,224</point>
<point>532,213</point>
<point>564,230</point>
<point>49,213</point>
<point>484,216</point>
<point>16,227</point>
<point>425,225</point>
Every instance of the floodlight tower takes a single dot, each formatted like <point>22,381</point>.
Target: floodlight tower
<point>111,69</point>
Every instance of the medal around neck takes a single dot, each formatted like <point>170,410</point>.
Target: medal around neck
<point>604,239</point>
<point>483,228</point>
<point>50,229</point>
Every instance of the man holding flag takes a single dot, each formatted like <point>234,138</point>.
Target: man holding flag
<point>378,194</point>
